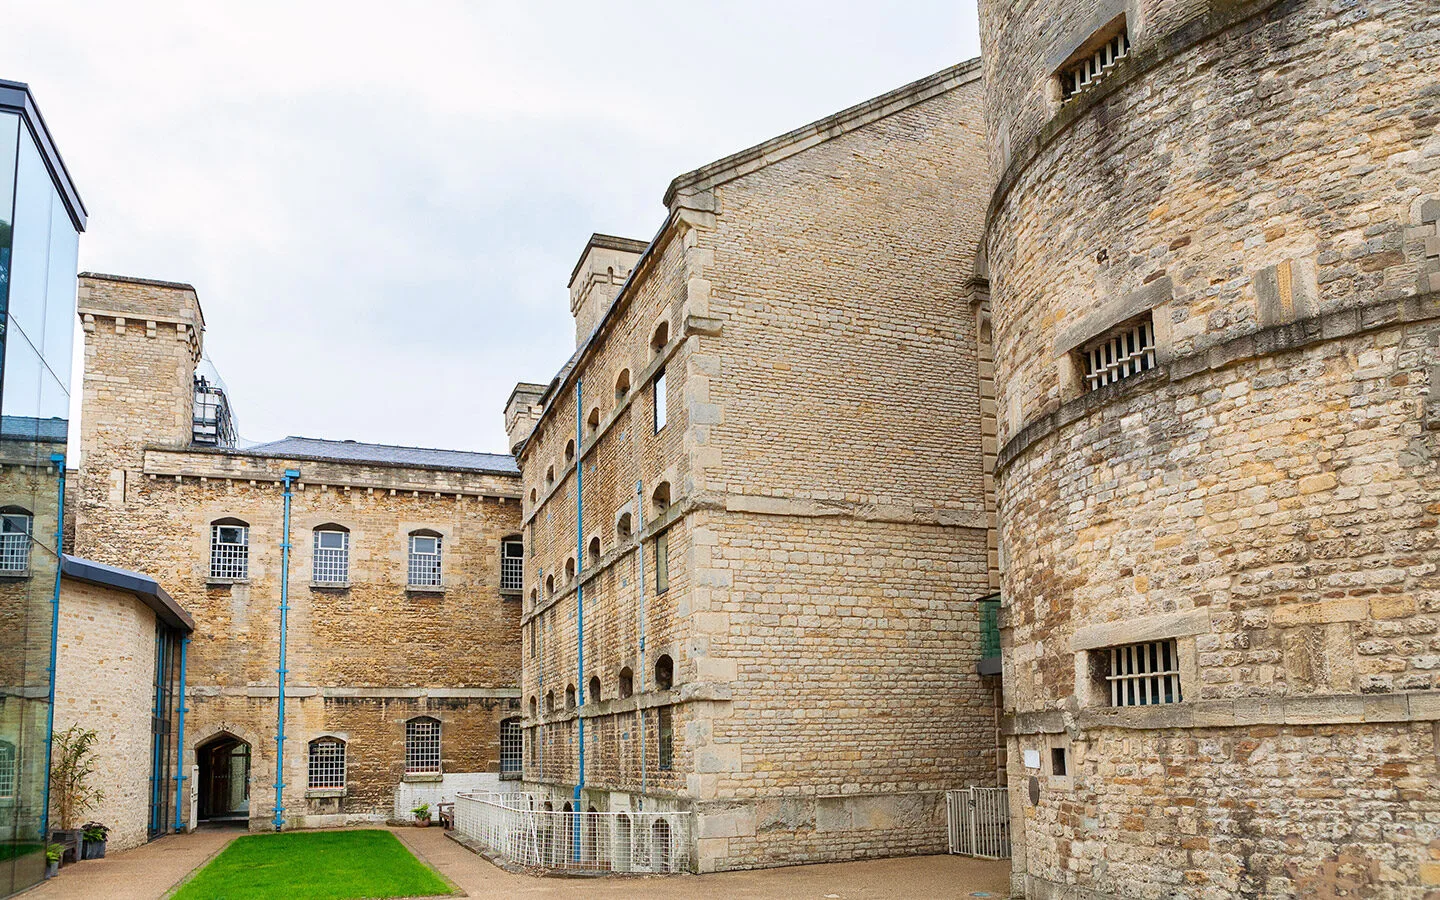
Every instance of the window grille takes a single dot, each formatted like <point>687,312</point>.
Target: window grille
<point>327,764</point>
<point>332,557</point>
<point>15,542</point>
<point>1119,355</point>
<point>422,746</point>
<point>230,551</point>
<point>667,739</point>
<point>1144,674</point>
<point>510,746</point>
<point>7,771</point>
<point>424,560</point>
<point>1092,68</point>
<point>512,565</point>
<point>659,391</point>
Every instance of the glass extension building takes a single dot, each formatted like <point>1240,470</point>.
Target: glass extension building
<point>41,218</point>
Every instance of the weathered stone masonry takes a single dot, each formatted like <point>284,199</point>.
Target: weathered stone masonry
<point>1260,182</point>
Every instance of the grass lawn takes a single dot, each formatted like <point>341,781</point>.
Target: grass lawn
<point>314,865</point>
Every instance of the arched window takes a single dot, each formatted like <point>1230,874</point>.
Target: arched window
<point>534,496</point>
<point>550,701</point>
<point>592,422</point>
<point>664,672</point>
<point>661,337</point>
<point>327,764</point>
<point>424,568</point>
<point>622,384</point>
<point>623,528</point>
<point>570,450</point>
<point>534,707</point>
<point>549,585</point>
<point>332,555</point>
<point>230,549</point>
<point>569,696</point>
<point>9,772</point>
<point>512,564</point>
<point>594,689</point>
<point>511,746</point>
<point>16,524</point>
<point>595,550</point>
<point>660,497</point>
<point>534,597</point>
<point>422,746</point>
<point>569,570</point>
<point>625,683</point>
<point>550,475</point>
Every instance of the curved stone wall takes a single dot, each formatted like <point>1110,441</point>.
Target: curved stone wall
<point>1260,182</point>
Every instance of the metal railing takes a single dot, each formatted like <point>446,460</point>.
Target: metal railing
<point>519,827</point>
<point>979,822</point>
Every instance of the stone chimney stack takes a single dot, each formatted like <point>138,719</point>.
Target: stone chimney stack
<point>597,277</point>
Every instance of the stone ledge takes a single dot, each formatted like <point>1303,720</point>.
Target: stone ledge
<point>1144,628</point>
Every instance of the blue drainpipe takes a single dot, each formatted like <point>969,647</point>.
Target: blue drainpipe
<point>57,460</point>
<point>579,606</point>
<point>180,740</point>
<point>290,475</point>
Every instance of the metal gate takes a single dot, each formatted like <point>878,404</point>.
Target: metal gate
<point>979,820</point>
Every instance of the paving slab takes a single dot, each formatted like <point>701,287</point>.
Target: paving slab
<point>144,873</point>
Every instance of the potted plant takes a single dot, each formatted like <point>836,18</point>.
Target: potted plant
<point>94,836</point>
<point>53,852</point>
<point>72,763</point>
<point>422,815</point>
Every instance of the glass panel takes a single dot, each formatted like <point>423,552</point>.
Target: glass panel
<point>30,255</point>
<point>58,343</point>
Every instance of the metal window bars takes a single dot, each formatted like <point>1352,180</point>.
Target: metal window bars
<point>511,747</point>
<point>15,543</point>
<point>332,557</point>
<point>8,773</point>
<point>1120,354</point>
<point>230,551</point>
<point>422,746</point>
<point>520,828</point>
<point>1092,68</point>
<point>979,821</point>
<point>327,764</point>
<point>1144,674</point>
<point>512,566</point>
<point>424,568</point>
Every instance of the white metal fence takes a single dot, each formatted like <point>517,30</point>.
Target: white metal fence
<point>526,829</point>
<point>979,820</point>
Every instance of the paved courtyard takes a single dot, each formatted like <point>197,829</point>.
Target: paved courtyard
<point>149,872</point>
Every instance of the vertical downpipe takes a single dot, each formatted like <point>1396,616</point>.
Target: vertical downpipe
<point>180,740</point>
<point>579,608</point>
<point>57,460</point>
<point>290,475</point>
<point>640,556</point>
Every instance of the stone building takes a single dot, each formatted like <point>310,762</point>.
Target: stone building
<point>774,409</point>
<point>402,615</point>
<point>1214,263</point>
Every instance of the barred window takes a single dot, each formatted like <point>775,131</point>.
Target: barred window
<point>512,564</point>
<point>667,739</point>
<point>1095,65</point>
<point>424,568</point>
<point>327,763</point>
<point>332,555</point>
<point>1143,674</point>
<point>8,774</point>
<point>1119,354</point>
<point>230,549</point>
<point>15,529</point>
<point>510,746</point>
<point>422,746</point>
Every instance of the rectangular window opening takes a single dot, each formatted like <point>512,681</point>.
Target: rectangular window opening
<point>512,566</point>
<point>1110,45</point>
<point>332,557</point>
<point>1057,762</point>
<point>662,562</point>
<point>424,569</point>
<point>1119,354</point>
<point>667,739</point>
<point>1143,674</point>
<point>230,552</point>
<point>659,392</point>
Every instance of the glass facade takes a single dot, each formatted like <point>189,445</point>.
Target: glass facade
<point>40,221</point>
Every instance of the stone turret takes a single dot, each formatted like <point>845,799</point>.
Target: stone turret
<point>596,279</point>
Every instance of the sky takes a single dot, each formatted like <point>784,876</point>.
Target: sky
<point>379,205</point>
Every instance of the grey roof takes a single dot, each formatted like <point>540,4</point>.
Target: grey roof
<point>386,454</point>
<point>142,586</point>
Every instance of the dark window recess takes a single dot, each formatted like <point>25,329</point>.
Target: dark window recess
<point>1057,762</point>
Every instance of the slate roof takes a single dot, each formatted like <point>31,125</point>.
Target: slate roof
<point>353,451</point>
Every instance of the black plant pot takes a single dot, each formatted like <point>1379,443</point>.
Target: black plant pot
<point>92,850</point>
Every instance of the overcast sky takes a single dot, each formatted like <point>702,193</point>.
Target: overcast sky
<point>379,204</point>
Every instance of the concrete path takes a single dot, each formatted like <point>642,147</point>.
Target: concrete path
<point>144,873</point>
<point>148,872</point>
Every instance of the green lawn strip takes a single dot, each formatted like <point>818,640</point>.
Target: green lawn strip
<point>315,865</point>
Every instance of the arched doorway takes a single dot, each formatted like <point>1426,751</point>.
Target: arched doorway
<point>224,779</point>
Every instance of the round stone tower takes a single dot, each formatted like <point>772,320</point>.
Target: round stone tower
<point>1214,269</point>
